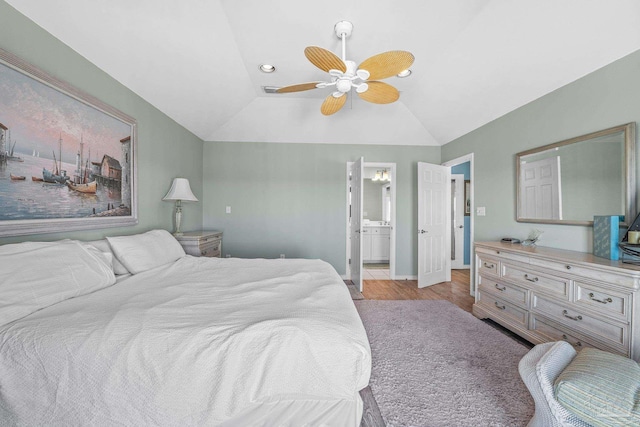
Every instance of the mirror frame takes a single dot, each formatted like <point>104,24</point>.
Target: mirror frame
<point>629,132</point>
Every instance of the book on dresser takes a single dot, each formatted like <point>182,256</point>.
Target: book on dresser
<point>545,294</point>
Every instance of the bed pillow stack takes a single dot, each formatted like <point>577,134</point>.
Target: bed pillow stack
<point>104,247</point>
<point>35,275</point>
<point>142,252</point>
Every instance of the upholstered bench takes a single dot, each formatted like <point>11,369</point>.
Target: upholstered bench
<point>590,388</point>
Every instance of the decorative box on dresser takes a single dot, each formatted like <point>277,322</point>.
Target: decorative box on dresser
<point>545,294</point>
<point>201,243</point>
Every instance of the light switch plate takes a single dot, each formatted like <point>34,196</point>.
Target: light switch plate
<point>228,210</point>
<point>481,211</point>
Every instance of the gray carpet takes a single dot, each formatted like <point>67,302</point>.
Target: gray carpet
<point>437,365</point>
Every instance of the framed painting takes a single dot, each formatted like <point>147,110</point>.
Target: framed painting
<point>67,160</point>
<point>467,197</point>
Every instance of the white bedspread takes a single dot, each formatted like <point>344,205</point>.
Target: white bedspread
<point>203,341</point>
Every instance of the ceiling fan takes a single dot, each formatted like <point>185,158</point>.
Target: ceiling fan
<point>346,74</point>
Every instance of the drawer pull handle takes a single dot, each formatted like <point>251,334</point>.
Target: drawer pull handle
<point>502,289</point>
<point>592,297</point>
<point>489,265</point>
<point>565,313</point>
<point>203,252</point>
<point>501,307</point>
<point>526,276</point>
<point>577,344</point>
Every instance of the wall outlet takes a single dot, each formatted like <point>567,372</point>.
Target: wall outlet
<point>227,256</point>
<point>228,209</point>
<point>481,211</point>
<point>281,256</point>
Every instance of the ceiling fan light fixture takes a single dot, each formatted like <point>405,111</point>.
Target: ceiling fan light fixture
<point>267,68</point>
<point>404,73</point>
<point>345,74</point>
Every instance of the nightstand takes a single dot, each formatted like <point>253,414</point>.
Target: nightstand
<point>201,243</point>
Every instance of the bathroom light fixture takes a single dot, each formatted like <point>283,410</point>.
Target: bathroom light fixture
<point>267,68</point>
<point>381,175</point>
<point>404,73</point>
<point>180,191</point>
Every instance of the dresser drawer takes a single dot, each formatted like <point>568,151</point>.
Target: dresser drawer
<point>535,280</point>
<point>555,332</point>
<point>579,271</point>
<point>609,303</point>
<point>512,256</point>
<point>607,331</point>
<point>210,250</point>
<point>506,291</point>
<point>208,240</point>
<point>487,265</point>
<point>503,309</point>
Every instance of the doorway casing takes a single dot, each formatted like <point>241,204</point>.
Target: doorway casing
<point>392,232</point>
<point>458,161</point>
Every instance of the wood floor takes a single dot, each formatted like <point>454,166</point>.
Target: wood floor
<point>456,291</point>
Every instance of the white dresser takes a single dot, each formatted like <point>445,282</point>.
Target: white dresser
<point>545,294</point>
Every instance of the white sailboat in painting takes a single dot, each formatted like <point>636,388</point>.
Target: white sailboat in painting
<point>56,175</point>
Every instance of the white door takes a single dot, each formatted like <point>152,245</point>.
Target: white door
<point>457,221</point>
<point>356,222</point>
<point>540,195</point>
<point>434,223</point>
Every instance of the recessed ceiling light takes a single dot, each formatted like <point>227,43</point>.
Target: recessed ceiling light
<point>405,73</point>
<point>267,68</point>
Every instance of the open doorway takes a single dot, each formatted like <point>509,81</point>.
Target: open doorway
<point>462,225</point>
<point>377,230</point>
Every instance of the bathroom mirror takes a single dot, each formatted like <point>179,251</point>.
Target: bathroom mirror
<point>570,181</point>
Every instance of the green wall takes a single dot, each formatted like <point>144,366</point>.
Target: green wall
<point>605,98</point>
<point>291,198</point>
<point>165,149</point>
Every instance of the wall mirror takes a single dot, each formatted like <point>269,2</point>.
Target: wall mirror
<point>570,181</point>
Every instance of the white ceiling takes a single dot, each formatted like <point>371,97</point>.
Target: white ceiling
<point>197,60</point>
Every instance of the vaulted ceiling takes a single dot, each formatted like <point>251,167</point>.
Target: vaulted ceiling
<point>197,61</point>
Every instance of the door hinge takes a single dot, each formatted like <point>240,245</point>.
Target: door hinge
<point>349,261</point>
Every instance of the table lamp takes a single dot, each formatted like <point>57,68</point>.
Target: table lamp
<point>180,191</point>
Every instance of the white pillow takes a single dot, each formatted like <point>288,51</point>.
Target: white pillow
<point>35,275</point>
<point>142,252</point>
<point>104,246</point>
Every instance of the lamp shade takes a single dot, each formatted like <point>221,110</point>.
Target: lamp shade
<point>180,190</point>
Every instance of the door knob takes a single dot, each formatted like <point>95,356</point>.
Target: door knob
<point>461,226</point>
<point>422,231</point>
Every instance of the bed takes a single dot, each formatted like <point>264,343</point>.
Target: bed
<point>181,341</point>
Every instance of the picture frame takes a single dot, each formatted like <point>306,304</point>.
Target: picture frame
<point>68,161</point>
<point>467,197</point>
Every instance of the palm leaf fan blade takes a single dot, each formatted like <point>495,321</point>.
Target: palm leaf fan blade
<point>332,104</point>
<point>380,93</point>
<point>324,59</point>
<point>298,88</point>
<point>387,64</point>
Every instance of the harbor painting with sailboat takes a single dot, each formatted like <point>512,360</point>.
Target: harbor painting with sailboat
<point>60,157</point>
